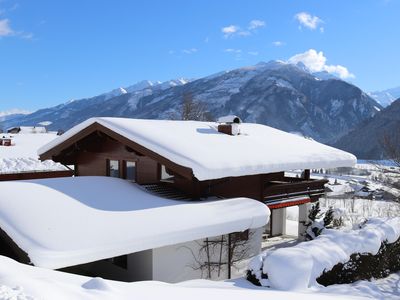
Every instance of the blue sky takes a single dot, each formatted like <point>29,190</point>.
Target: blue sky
<point>55,51</point>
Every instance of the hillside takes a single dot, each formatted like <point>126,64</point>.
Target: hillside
<point>365,140</point>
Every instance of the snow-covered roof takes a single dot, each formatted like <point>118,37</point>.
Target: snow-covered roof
<point>22,156</point>
<point>63,222</point>
<point>210,154</point>
<point>30,129</point>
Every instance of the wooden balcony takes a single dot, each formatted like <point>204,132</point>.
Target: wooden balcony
<point>291,187</point>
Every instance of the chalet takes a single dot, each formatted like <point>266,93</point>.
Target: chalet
<point>202,159</point>
<point>161,200</point>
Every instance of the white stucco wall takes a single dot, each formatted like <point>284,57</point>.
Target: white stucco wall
<point>178,262</point>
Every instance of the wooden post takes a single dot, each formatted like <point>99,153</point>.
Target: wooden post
<point>229,256</point>
<point>306,174</point>
<point>208,259</point>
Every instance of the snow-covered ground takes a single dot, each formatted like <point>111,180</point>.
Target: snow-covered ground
<point>24,282</point>
<point>21,282</point>
<point>385,288</point>
<point>22,155</point>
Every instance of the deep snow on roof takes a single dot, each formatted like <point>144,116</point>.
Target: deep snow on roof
<point>63,222</point>
<point>23,157</point>
<point>210,154</point>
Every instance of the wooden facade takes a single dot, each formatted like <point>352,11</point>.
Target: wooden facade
<point>99,151</point>
<point>35,175</point>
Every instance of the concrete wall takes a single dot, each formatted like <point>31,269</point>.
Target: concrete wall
<point>278,219</point>
<point>304,210</point>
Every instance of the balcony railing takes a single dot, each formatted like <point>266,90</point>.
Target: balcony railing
<point>293,187</point>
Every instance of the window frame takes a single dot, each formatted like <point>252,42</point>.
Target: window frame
<point>125,167</point>
<point>108,167</point>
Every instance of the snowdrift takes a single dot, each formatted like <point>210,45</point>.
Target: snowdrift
<point>298,267</point>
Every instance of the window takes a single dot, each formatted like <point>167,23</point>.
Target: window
<point>130,170</point>
<point>240,236</point>
<point>120,261</point>
<point>113,168</point>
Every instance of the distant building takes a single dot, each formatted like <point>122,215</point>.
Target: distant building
<point>6,140</point>
<point>21,161</point>
<point>27,129</point>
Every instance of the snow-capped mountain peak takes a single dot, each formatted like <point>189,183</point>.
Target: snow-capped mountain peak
<point>386,97</point>
<point>14,111</point>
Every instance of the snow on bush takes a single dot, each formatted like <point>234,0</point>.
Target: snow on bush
<point>298,267</point>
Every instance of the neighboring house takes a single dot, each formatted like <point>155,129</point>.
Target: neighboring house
<point>338,189</point>
<point>21,161</point>
<point>364,192</point>
<point>108,227</point>
<point>6,140</point>
<point>27,129</point>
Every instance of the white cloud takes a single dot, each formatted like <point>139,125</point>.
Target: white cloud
<point>254,24</point>
<point>309,21</point>
<point>231,50</point>
<point>190,51</point>
<point>254,53</point>
<point>5,29</point>
<point>234,30</point>
<point>236,53</point>
<point>278,43</point>
<point>229,31</point>
<point>316,62</point>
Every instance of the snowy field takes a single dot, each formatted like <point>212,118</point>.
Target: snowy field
<point>22,155</point>
<point>365,191</point>
<point>23,282</point>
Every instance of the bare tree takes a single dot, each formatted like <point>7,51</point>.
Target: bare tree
<point>214,256</point>
<point>191,109</point>
<point>391,146</point>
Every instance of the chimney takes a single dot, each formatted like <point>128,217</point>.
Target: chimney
<point>229,125</point>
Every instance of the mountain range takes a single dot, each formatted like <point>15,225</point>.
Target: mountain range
<point>275,93</point>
